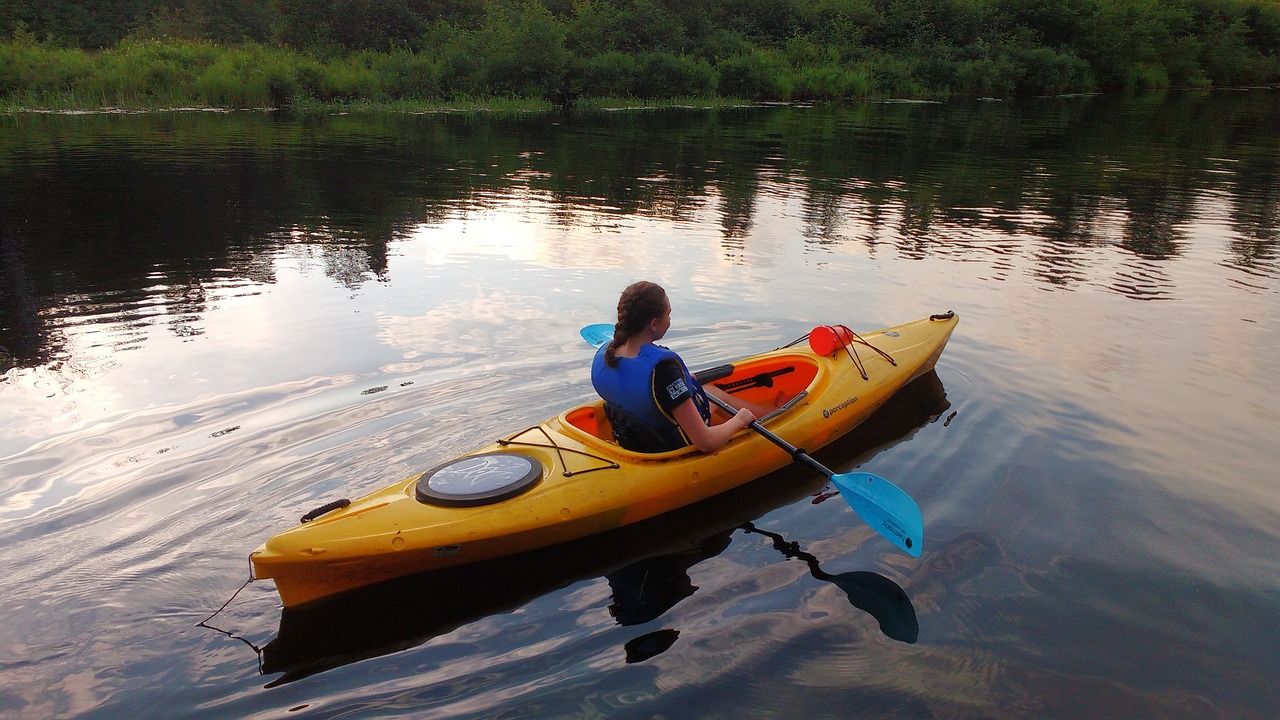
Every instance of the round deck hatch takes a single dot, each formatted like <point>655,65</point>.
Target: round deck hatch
<point>478,479</point>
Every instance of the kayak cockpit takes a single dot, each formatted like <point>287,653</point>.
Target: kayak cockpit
<point>774,381</point>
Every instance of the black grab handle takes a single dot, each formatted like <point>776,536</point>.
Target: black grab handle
<point>713,374</point>
<point>326,508</point>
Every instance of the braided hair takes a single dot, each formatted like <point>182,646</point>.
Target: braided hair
<point>640,303</point>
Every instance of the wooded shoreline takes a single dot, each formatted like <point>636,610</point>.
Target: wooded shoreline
<point>539,54</point>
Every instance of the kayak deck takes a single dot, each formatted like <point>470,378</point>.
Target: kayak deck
<point>587,483</point>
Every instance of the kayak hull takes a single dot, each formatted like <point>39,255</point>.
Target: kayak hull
<point>583,484</point>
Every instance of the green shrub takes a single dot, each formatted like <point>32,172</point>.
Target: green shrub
<point>150,72</point>
<point>831,82</point>
<point>523,51</point>
<point>224,85</point>
<point>458,53</point>
<point>893,76</point>
<point>1146,76</point>
<point>407,75</point>
<point>1043,71</point>
<point>30,68</point>
<point>350,79</point>
<point>633,27</point>
<point>724,44</point>
<point>250,76</point>
<point>612,74</point>
<point>308,76</point>
<point>938,72</point>
<point>758,76</point>
<point>1230,59</point>
<point>985,77</point>
<point>661,74</point>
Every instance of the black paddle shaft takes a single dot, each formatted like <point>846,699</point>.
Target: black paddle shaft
<point>795,452</point>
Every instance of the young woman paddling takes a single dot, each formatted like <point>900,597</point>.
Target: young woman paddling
<point>652,400</point>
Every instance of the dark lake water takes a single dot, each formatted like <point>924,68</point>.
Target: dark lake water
<point>213,323</point>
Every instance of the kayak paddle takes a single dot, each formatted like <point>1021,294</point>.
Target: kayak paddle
<point>887,508</point>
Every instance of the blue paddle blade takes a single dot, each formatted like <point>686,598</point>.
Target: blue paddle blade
<point>885,507</point>
<point>597,334</point>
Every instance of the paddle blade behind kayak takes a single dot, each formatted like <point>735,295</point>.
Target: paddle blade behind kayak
<point>597,334</point>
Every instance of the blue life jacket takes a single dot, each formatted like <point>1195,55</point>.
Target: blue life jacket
<point>629,386</point>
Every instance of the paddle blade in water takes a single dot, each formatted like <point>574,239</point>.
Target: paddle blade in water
<point>885,507</point>
<point>598,334</point>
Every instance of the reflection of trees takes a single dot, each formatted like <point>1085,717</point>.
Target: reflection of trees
<point>1151,230</point>
<point>22,341</point>
<point>738,193</point>
<point>149,214</point>
<point>822,213</point>
<point>1256,214</point>
<point>347,261</point>
<point>186,306</point>
<point>915,239</point>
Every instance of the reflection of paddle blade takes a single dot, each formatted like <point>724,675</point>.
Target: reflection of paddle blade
<point>869,592</point>
<point>647,646</point>
<point>885,507</point>
<point>881,598</point>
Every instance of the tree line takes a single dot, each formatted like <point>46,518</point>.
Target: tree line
<point>283,52</point>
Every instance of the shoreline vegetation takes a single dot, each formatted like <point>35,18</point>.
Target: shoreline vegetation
<point>522,55</point>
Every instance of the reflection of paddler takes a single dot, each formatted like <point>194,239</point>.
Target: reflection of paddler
<point>870,592</point>
<point>644,590</point>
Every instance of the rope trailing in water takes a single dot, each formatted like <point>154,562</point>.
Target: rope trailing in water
<point>205,622</point>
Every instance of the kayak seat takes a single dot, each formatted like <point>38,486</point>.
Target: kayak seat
<point>634,435</point>
<point>590,419</point>
<point>611,423</point>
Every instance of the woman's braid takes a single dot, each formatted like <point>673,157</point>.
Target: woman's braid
<point>640,303</point>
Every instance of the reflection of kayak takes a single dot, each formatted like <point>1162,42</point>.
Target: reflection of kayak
<point>564,479</point>
<point>447,599</point>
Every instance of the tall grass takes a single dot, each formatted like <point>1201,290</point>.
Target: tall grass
<point>178,73</point>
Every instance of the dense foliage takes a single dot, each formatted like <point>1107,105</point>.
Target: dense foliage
<point>274,52</point>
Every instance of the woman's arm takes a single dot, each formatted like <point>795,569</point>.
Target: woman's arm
<point>709,439</point>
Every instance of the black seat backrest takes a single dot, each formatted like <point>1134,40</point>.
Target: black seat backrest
<point>633,434</point>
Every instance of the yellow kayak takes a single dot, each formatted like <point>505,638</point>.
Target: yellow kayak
<point>565,478</point>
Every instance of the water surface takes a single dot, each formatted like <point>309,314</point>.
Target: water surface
<point>213,323</point>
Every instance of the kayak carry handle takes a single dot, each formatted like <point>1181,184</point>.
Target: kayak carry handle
<point>326,508</point>
<point>713,374</point>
